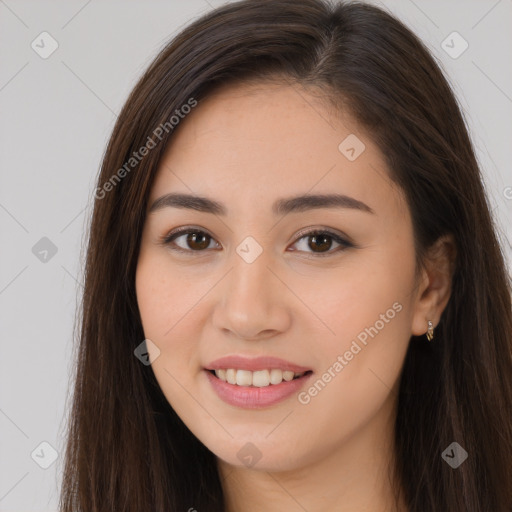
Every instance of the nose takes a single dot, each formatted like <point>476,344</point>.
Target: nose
<point>253,301</point>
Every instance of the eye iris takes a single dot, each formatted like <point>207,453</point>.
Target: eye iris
<point>325,243</point>
<point>194,236</point>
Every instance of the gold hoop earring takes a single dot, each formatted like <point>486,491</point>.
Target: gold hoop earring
<point>430,330</point>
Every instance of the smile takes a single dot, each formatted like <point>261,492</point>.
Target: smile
<point>261,378</point>
<point>255,390</point>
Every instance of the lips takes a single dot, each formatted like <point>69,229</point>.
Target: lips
<point>250,397</point>
<point>262,394</point>
<point>255,364</point>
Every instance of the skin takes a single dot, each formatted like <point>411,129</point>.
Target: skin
<point>246,146</point>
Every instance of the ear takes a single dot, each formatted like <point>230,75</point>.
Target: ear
<point>434,284</point>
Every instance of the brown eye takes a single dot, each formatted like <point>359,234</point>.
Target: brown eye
<point>320,243</point>
<point>193,240</point>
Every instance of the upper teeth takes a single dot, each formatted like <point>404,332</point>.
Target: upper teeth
<point>259,378</point>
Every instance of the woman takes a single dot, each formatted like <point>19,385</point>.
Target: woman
<point>295,298</point>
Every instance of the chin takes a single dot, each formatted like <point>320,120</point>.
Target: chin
<point>259,456</point>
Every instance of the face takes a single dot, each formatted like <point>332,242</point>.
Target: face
<point>327,287</point>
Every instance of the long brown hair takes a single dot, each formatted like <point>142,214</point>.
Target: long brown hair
<point>126,447</point>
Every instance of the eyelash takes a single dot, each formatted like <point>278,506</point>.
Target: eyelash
<point>167,240</point>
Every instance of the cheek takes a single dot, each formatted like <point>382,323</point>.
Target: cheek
<point>163,297</point>
<point>369,315</point>
<point>165,309</point>
<point>166,306</point>
<point>358,298</point>
<point>361,364</point>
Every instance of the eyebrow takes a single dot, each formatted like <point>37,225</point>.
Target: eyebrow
<point>280,207</point>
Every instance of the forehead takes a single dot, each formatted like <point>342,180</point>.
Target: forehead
<point>254,142</point>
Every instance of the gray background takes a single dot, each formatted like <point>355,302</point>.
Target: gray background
<point>55,117</point>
